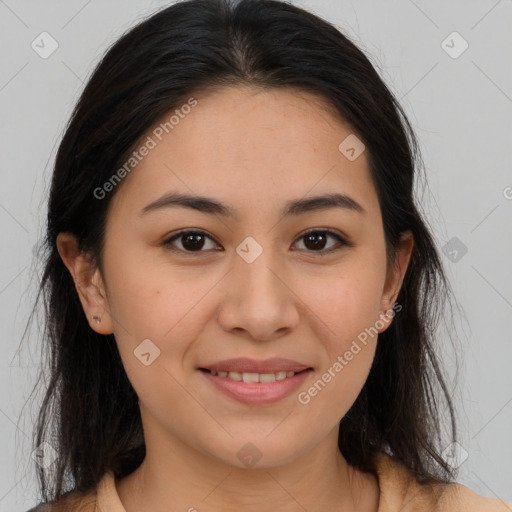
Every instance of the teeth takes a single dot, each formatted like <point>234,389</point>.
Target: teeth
<point>253,377</point>
<point>250,377</point>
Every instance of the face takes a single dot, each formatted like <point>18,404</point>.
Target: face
<point>309,284</point>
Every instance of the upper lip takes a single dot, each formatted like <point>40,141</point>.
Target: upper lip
<point>246,365</point>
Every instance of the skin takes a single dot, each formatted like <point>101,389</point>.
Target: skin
<point>253,149</point>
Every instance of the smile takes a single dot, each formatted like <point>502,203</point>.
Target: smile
<point>253,377</point>
<point>256,388</point>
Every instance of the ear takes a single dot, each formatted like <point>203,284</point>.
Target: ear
<point>88,282</point>
<point>394,279</point>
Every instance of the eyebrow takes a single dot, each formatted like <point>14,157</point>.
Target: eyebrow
<point>211,206</point>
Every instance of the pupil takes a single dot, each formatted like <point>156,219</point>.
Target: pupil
<point>319,237</point>
<point>196,241</point>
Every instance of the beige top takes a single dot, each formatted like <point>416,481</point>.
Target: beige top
<point>399,492</point>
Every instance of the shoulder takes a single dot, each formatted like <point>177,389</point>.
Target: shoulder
<point>399,490</point>
<point>70,502</point>
<point>459,497</point>
<point>103,498</point>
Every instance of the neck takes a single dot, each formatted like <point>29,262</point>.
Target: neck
<point>175,475</point>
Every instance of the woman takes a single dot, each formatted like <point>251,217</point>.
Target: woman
<point>240,290</point>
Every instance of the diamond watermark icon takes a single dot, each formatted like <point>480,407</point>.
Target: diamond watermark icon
<point>249,249</point>
<point>44,45</point>
<point>351,147</point>
<point>146,352</point>
<point>455,455</point>
<point>44,455</point>
<point>454,249</point>
<point>249,455</point>
<point>454,45</point>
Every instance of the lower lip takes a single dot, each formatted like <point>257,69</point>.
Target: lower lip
<point>257,392</point>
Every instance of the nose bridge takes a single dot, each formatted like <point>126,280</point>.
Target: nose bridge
<point>257,266</point>
<point>257,299</point>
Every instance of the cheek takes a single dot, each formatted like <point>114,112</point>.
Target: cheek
<point>346,312</point>
<point>162,322</point>
<point>156,300</point>
<point>342,374</point>
<point>156,304</point>
<point>345,304</point>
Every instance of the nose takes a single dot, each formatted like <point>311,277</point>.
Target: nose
<point>258,299</point>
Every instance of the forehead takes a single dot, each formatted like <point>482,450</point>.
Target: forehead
<point>249,146</point>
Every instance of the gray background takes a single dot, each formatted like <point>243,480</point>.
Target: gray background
<point>460,108</point>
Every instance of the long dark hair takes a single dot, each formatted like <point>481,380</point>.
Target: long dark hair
<point>90,413</point>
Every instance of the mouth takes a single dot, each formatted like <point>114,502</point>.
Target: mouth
<point>252,388</point>
<point>253,377</point>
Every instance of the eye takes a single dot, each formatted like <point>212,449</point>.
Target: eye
<point>315,239</point>
<point>192,241</point>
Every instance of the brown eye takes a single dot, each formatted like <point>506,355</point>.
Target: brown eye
<point>190,241</point>
<point>316,240</point>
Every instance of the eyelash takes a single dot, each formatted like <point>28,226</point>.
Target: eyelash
<point>341,241</point>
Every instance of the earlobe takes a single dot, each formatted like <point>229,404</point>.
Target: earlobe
<point>88,283</point>
<point>394,279</point>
